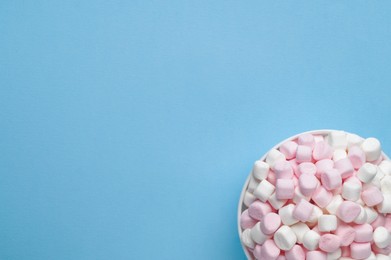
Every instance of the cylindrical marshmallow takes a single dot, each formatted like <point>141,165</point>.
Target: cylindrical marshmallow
<point>248,198</point>
<point>303,154</point>
<point>338,139</point>
<point>306,167</point>
<point>360,250</point>
<point>270,223</point>
<point>286,214</point>
<point>276,203</point>
<point>331,179</point>
<point>257,235</point>
<point>246,238</point>
<point>296,253</point>
<point>288,149</point>
<point>311,240</point>
<point>322,166</point>
<point>385,167</point>
<point>362,217</point>
<point>372,149</point>
<point>367,172</point>
<point>334,255</point>
<point>339,154</point>
<point>372,196</point>
<point>306,139</point>
<point>345,167</point>
<point>385,205</point>
<point>300,229</point>
<point>246,221</point>
<point>346,233</point>
<point>356,156</point>
<point>259,209</point>
<point>354,140</point>
<point>260,170</point>
<point>382,237</point>
<point>327,223</point>
<point>351,190</point>
<point>269,250</point>
<point>316,255</point>
<point>303,210</point>
<point>329,243</point>
<point>308,184</point>
<point>283,170</point>
<point>285,189</point>
<point>264,190</point>
<point>322,197</point>
<point>348,211</point>
<point>322,150</point>
<point>285,238</point>
<point>364,233</point>
<point>334,204</point>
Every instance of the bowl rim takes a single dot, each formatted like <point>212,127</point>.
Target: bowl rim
<point>240,205</point>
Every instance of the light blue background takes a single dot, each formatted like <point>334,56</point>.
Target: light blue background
<point>127,128</point>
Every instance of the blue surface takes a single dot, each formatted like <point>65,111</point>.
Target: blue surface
<point>128,128</point>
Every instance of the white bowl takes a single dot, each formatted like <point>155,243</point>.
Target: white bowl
<point>241,205</point>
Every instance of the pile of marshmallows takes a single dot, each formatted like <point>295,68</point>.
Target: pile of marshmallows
<point>319,197</point>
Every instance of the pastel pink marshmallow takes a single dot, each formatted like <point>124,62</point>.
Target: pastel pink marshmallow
<point>294,166</point>
<point>322,166</point>
<point>306,167</point>
<point>281,257</point>
<point>360,250</point>
<point>269,250</point>
<point>322,197</point>
<point>246,221</point>
<point>303,154</point>
<point>308,184</point>
<point>364,233</point>
<point>346,233</point>
<point>285,189</point>
<point>270,223</point>
<point>331,179</point>
<point>296,253</point>
<point>258,209</point>
<point>345,251</point>
<point>380,221</point>
<point>372,196</point>
<point>356,156</point>
<point>257,251</point>
<point>289,149</point>
<point>329,243</point>
<point>306,139</point>
<point>316,255</point>
<point>303,210</point>
<point>272,178</point>
<point>348,211</point>
<point>383,251</point>
<point>322,150</point>
<point>345,167</point>
<point>387,224</point>
<point>283,170</point>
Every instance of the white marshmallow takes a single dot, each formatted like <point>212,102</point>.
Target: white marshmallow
<point>372,149</point>
<point>274,156</point>
<point>362,217</point>
<point>334,255</point>
<point>327,223</point>
<point>248,198</point>
<point>315,215</point>
<point>360,202</point>
<point>334,204</point>
<point>367,172</point>
<point>298,196</point>
<point>385,166</point>
<point>385,185</point>
<point>338,139</point>
<point>264,190</point>
<point>257,235</point>
<point>311,240</point>
<point>339,154</point>
<point>300,229</point>
<point>351,190</point>
<point>376,181</point>
<point>371,214</point>
<point>246,238</point>
<point>252,184</point>
<point>285,238</point>
<point>286,214</point>
<point>354,140</point>
<point>382,257</point>
<point>381,237</point>
<point>371,257</point>
<point>385,205</point>
<point>276,203</point>
<point>260,170</point>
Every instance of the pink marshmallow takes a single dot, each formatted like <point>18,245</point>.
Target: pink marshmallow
<point>258,209</point>
<point>296,253</point>
<point>348,211</point>
<point>331,179</point>
<point>269,250</point>
<point>316,255</point>
<point>322,197</point>
<point>271,177</point>
<point>372,196</point>
<point>329,243</point>
<point>364,233</point>
<point>306,167</point>
<point>322,166</point>
<point>283,170</point>
<point>387,224</point>
<point>380,221</point>
<point>345,251</point>
<point>246,221</point>
<point>270,223</point>
<point>257,252</point>
<point>360,250</point>
<point>303,210</point>
<point>308,184</point>
<point>383,251</point>
<point>346,233</point>
<point>288,149</point>
<point>322,150</point>
<point>306,139</point>
<point>295,166</point>
<point>356,156</point>
<point>303,154</point>
<point>345,167</point>
<point>285,189</point>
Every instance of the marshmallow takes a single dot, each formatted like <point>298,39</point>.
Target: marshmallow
<point>269,250</point>
<point>285,238</point>
<point>362,217</point>
<point>371,214</point>
<point>354,140</point>
<point>298,196</point>
<point>306,139</point>
<point>311,240</point>
<point>270,223</point>
<point>385,166</point>
<point>332,207</point>
<point>274,156</point>
<point>327,223</point>
<point>364,233</point>
<point>303,154</point>
<point>308,184</point>
<point>257,235</point>
<point>283,170</point>
<point>252,184</point>
<point>246,221</point>
<point>322,150</point>
<point>380,221</point>
<point>322,197</point>
<point>329,243</point>
<point>382,257</point>
<point>338,139</point>
<point>264,190</point>
<point>356,156</point>
<point>372,149</point>
<point>345,167</point>
<point>331,179</point>
<point>372,196</point>
<point>257,251</point>
<point>360,250</point>
<point>285,189</point>
<point>286,214</point>
<point>246,238</point>
<point>300,229</point>
<point>348,211</point>
<point>296,253</point>
<point>385,205</point>
<point>248,198</point>
<point>306,167</point>
<point>322,166</point>
<point>315,255</point>
<point>339,154</point>
<point>316,213</point>
<point>276,203</point>
<point>385,185</point>
<point>346,233</point>
<point>367,172</point>
<point>260,170</point>
<point>288,149</point>
<point>351,190</point>
<point>381,237</point>
<point>334,255</point>
<point>303,210</point>
<point>258,209</point>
